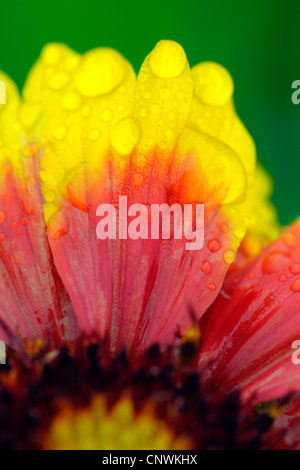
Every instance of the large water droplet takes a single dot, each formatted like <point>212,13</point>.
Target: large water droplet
<point>167,59</point>
<point>206,267</point>
<point>214,245</point>
<point>295,285</point>
<point>100,72</point>
<point>125,136</point>
<point>228,256</point>
<point>295,268</point>
<point>214,85</point>
<point>212,286</point>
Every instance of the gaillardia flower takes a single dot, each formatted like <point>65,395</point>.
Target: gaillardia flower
<point>138,342</point>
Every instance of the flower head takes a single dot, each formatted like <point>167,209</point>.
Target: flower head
<point>87,132</point>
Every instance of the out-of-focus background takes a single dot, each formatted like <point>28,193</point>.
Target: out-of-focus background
<point>258,41</point>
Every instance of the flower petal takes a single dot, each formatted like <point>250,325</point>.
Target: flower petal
<point>33,302</point>
<point>248,332</point>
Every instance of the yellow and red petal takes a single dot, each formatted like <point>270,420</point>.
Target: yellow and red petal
<point>249,331</point>
<point>33,301</point>
<point>172,136</point>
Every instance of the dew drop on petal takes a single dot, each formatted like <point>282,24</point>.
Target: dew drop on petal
<point>2,237</point>
<point>139,160</point>
<point>282,278</point>
<point>206,267</point>
<point>3,216</point>
<point>94,134</point>
<point>289,239</point>
<point>295,285</point>
<point>214,245</point>
<point>100,72</point>
<point>214,85</point>
<point>228,256</point>
<point>49,196</point>
<point>165,93</point>
<point>273,261</point>
<point>125,136</point>
<point>295,268</point>
<point>167,59</point>
<point>23,221</point>
<point>137,179</point>
<point>212,286</point>
<point>224,228</point>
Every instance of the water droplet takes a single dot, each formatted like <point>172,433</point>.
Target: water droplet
<point>167,59</point>
<point>228,256</point>
<point>165,93</point>
<point>28,205</point>
<point>14,225</point>
<point>214,85</point>
<point>94,134</point>
<point>23,221</point>
<point>137,179</point>
<point>125,136</point>
<point>49,196</point>
<point>224,228</point>
<point>295,268</point>
<point>214,245</point>
<point>2,237</point>
<point>289,239</point>
<point>206,267</point>
<point>273,262</point>
<point>3,216</point>
<point>295,285</point>
<point>143,112</point>
<point>168,132</point>
<point>282,278</point>
<point>212,286</point>
<point>100,72</point>
<point>239,233</point>
<point>139,160</point>
<point>56,80</point>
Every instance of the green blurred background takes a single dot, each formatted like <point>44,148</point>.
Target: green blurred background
<point>258,41</point>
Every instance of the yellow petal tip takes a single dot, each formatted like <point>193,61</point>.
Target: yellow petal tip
<point>167,59</point>
<point>100,72</point>
<point>214,84</point>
